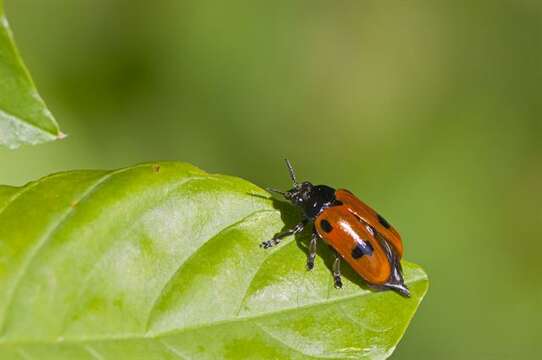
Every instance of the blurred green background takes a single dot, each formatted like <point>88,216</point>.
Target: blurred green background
<point>428,110</point>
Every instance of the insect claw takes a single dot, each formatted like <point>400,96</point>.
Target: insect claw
<point>269,243</point>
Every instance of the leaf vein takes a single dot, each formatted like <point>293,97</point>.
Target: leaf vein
<point>49,234</point>
<point>274,313</point>
<point>173,350</point>
<point>355,321</point>
<point>180,267</point>
<point>284,243</point>
<point>288,346</point>
<point>95,354</point>
<point>18,194</point>
<point>196,327</point>
<point>199,326</point>
<point>98,262</point>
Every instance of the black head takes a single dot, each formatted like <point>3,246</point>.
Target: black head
<point>311,198</point>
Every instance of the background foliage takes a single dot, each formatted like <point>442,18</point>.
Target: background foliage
<point>428,110</point>
<point>24,118</point>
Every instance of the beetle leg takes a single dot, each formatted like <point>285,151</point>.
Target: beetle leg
<point>337,272</point>
<point>312,250</point>
<point>276,239</point>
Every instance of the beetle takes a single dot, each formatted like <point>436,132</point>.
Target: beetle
<point>356,233</point>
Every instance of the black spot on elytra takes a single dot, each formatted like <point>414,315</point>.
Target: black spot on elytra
<point>326,226</point>
<point>337,202</point>
<point>358,251</point>
<point>383,221</point>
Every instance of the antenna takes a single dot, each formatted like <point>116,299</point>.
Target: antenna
<point>291,171</point>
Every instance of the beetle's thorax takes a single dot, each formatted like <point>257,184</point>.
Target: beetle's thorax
<point>311,198</point>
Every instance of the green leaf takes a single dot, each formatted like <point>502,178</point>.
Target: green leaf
<point>24,118</point>
<point>162,261</point>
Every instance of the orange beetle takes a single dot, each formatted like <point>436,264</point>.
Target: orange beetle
<point>357,233</point>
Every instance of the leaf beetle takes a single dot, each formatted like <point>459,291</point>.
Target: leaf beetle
<point>357,233</point>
